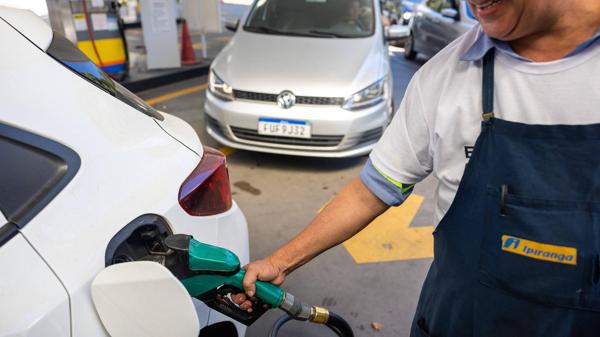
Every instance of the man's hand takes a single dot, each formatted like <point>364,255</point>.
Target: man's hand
<point>263,270</point>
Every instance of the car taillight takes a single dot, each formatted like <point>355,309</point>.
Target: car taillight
<point>206,191</point>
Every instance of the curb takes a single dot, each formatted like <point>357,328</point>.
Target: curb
<point>176,75</point>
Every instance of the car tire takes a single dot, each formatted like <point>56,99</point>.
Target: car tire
<point>409,47</point>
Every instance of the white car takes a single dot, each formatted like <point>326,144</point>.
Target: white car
<point>89,176</point>
<point>303,77</point>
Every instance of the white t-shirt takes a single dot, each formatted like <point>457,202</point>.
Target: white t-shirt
<point>439,119</point>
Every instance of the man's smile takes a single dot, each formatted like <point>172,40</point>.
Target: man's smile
<point>486,4</point>
<point>486,9</point>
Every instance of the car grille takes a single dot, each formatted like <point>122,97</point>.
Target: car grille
<point>309,100</point>
<point>213,123</point>
<point>315,140</point>
<point>371,135</point>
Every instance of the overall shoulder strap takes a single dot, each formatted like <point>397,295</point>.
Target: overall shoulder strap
<point>488,85</point>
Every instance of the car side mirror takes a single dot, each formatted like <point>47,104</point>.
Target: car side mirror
<point>232,24</point>
<point>396,32</point>
<point>143,299</point>
<point>450,13</point>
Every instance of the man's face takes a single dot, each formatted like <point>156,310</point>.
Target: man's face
<point>512,19</point>
<point>354,10</point>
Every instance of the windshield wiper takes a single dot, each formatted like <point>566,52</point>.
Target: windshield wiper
<point>332,34</point>
<point>269,30</point>
<point>263,29</point>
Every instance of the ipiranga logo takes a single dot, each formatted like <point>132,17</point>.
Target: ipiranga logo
<point>540,251</point>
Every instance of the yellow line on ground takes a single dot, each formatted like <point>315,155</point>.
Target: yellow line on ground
<point>175,94</point>
<point>391,238</point>
<point>226,150</point>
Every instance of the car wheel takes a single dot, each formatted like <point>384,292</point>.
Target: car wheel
<point>409,48</point>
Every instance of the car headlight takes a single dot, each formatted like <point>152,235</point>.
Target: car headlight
<point>369,96</point>
<point>219,88</point>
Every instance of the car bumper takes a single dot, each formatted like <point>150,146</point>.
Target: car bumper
<point>336,132</point>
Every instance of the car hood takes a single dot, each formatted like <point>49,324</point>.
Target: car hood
<point>307,66</point>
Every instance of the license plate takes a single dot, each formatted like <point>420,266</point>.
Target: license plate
<point>283,128</point>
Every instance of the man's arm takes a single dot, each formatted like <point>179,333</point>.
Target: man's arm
<point>400,159</point>
<point>351,210</point>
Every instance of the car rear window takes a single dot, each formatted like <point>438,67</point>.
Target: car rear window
<point>33,170</point>
<point>25,174</point>
<point>70,56</point>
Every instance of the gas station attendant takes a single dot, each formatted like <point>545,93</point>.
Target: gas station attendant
<point>507,118</point>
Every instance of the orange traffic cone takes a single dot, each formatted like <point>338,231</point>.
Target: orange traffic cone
<point>188,56</point>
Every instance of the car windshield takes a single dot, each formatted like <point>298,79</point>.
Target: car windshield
<point>317,18</point>
<point>67,54</point>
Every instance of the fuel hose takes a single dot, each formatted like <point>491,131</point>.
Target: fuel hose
<point>298,310</point>
<point>335,322</point>
<point>90,31</point>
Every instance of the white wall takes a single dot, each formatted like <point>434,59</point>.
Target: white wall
<point>238,2</point>
<point>202,15</point>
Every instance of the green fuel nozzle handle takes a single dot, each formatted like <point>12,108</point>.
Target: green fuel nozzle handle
<point>277,298</point>
<point>267,292</point>
<point>212,274</point>
<point>210,267</point>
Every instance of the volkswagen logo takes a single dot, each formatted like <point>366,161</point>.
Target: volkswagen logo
<point>286,100</point>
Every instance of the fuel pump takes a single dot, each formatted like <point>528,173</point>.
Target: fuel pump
<point>100,35</point>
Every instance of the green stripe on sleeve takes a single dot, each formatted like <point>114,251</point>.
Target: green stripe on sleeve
<point>404,187</point>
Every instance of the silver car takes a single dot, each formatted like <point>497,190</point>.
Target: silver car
<point>303,77</point>
<point>436,23</point>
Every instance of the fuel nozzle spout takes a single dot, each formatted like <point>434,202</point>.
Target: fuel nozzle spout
<point>295,308</point>
<point>301,311</point>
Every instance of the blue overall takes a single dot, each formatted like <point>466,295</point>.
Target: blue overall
<point>518,252</point>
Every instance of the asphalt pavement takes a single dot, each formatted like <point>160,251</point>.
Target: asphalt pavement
<point>375,277</point>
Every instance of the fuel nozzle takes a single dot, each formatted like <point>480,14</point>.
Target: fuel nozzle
<point>212,274</point>
<point>302,311</point>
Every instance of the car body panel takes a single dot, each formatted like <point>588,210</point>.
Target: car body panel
<point>306,66</point>
<point>129,167</point>
<point>181,131</point>
<point>28,23</point>
<point>429,25</point>
<point>39,304</point>
<point>432,31</point>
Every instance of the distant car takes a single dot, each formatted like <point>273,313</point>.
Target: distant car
<point>234,9</point>
<point>408,7</point>
<point>391,9</point>
<point>90,175</point>
<point>303,77</point>
<point>435,24</point>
